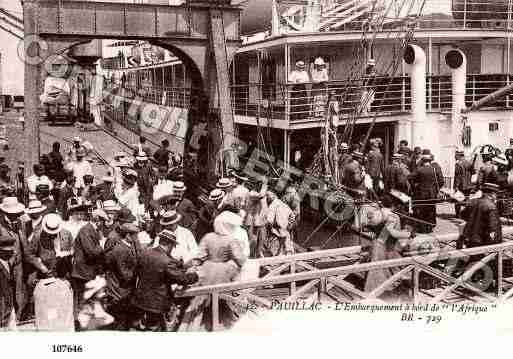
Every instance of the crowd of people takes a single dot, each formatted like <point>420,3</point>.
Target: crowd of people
<point>134,235</point>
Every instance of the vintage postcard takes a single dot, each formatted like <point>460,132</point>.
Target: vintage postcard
<point>254,167</point>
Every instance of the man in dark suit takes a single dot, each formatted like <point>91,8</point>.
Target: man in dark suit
<point>483,228</point>
<point>462,177</point>
<point>161,156</point>
<point>7,284</point>
<point>426,181</point>
<point>396,175</point>
<point>156,272</point>
<point>88,259</point>
<point>374,165</point>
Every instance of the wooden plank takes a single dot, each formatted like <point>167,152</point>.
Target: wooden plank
<point>266,303</point>
<point>215,311</point>
<point>383,286</point>
<point>310,255</point>
<point>277,270</point>
<point>303,290</point>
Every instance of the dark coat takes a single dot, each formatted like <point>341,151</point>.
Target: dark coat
<point>156,272</point>
<point>426,181</point>
<point>89,256</point>
<point>463,175</point>
<point>17,231</point>
<point>396,177</point>
<point>482,219</point>
<point>487,174</point>
<point>7,297</point>
<point>146,179</point>
<point>120,264</point>
<point>65,193</point>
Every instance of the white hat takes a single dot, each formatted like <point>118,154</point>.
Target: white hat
<point>110,205</point>
<point>319,61</point>
<point>371,62</point>
<point>179,186</point>
<point>216,194</point>
<point>344,146</point>
<point>300,64</point>
<point>52,223</point>
<point>141,156</point>
<point>77,139</point>
<point>35,206</point>
<point>11,205</point>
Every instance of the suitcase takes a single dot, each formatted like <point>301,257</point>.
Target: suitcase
<point>53,304</point>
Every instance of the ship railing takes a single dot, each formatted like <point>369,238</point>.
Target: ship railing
<point>360,98</point>
<point>429,275</point>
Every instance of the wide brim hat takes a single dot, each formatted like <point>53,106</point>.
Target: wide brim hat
<point>179,186</point>
<point>35,207</point>
<point>216,194</point>
<point>344,146</point>
<point>300,64</point>
<point>167,236</point>
<point>119,154</point>
<point>397,156</point>
<point>224,183</point>
<point>371,62</point>
<point>168,199</point>
<point>170,218</point>
<point>125,216</point>
<point>426,157</point>
<point>129,228</point>
<point>460,153</point>
<point>12,206</point>
<point>111,206</point>
<point>141,156</point>
<point>52,223</point>
<point>357,154</point>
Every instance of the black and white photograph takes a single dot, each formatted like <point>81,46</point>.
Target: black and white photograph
<point>238,165</point>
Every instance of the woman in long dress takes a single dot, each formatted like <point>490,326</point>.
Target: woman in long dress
<point>221,257</point>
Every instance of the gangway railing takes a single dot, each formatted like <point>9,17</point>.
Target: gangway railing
<point>318,284</point>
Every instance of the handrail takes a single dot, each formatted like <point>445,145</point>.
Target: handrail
<point>355,268</point>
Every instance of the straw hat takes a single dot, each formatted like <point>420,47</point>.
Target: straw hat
<point>77,139</point>
<point>300,65</point>
<point>490,187</point>
<point>179,186</point>
<point>111,206</point>
<point>166,237</point>
<point>141,156</point>
<point>344,146</point>
<point>12,206</point>
<point>52,223</point>
<point>371,62</point>
<point>125,216</point>
<point>170,218</point>
<point>34,207</point>
<point>216,194</point>
<point>129,228</point>
<point>224,183</point>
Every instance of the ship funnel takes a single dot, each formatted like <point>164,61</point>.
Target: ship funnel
<point>457,62</point>
<point>415,58</point>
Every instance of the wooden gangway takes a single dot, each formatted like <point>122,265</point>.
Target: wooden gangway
<point>298,277</point>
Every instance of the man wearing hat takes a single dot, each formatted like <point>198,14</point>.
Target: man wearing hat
<point>353,173</point>
<point>11,226</point>
<point>35,211</point>
<point>483,227</point>
<point>185,207</point>
<point>44,196</point>
<point>375,165</point>
<point>278,218</point>
<point>76,211</point>
<point>88,259</point>
<point>142,147</point>
<point>208,213</point>
<point>50,250</point>
<point>368,86</point>
<point>396,175</point>
<point>426,182</point>
<point>487,172</point>
<point>186,248</point>
<point>463,171</point>
<point>72,151</point>
<point>127,193</point>
<point>7,283</point>
<point>120,263</point>
<point>56,161</point>
<point>256,221</point>
<point>66,192</point>
<point>105,189</point>
<point>81,167</point>
<point>36,179</point>
<point>226,185</point>
<point>299,96</point>
<point>161,156</point>
<point>146,177</point>
<point>123,216</point>
<point>156,272</point>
